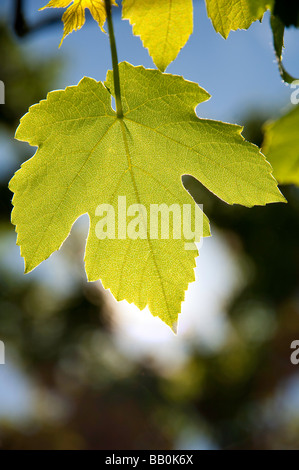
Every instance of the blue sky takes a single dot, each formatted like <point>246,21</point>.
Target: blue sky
<point>240,73</point>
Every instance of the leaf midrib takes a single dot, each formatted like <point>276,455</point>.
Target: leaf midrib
<point>126,145</point>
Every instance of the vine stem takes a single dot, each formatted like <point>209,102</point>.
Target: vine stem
<point>119,110</point>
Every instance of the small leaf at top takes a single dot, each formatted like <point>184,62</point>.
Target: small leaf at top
<point>74,17</point>
<point>278,41</point>
<point>281,145</point>
<point>288,12</point>
<point>228,16</point>
<point>164,26</point>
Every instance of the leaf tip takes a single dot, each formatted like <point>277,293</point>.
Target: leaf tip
<point>27,269</point>
<point>281,197</point>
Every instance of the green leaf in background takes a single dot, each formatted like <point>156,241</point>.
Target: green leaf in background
<point>87,156</point>
<point>281,146</point>
<point>229,16</point>
<point>278,41</point>
<point>163,26</point>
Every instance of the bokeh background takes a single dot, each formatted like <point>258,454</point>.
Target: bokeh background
<point>86,372</point>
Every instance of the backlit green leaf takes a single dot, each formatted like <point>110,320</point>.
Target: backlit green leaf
<point>87,156</point>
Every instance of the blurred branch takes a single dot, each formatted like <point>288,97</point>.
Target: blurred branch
<point>21,26</point>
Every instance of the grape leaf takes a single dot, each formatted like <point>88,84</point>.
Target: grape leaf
<point>228,16</point>
<point>281,145</point>
<point>163,26</point>
<point>87,156</point>
<point>74,17</point>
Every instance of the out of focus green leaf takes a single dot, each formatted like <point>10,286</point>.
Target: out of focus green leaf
<point>281,146</point>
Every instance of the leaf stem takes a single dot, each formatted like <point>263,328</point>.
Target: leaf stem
<point>119,110</point>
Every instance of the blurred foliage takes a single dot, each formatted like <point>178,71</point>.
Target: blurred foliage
<point>90,395</point>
